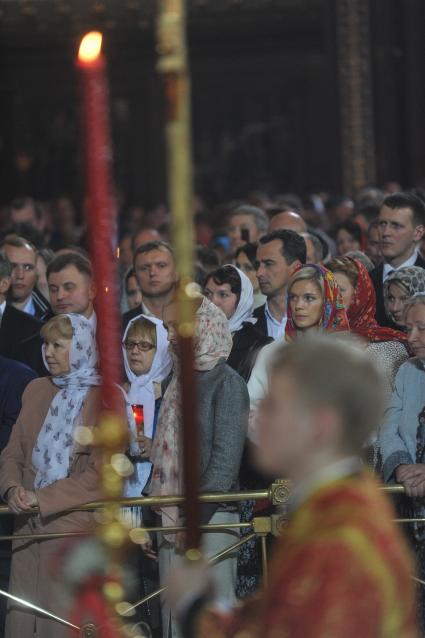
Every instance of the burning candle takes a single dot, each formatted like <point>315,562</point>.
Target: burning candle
<point>111,433</point>
<point>101,209</point>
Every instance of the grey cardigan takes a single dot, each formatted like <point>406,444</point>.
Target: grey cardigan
<point>397,439</point>
<point>223,408</point>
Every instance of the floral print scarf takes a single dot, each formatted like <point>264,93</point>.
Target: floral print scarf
<point>213,342</point>
<point>51,456</point>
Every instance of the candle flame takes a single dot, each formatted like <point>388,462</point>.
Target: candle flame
<point>90,47</point>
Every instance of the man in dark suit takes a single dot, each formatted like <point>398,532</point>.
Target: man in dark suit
<point>14,378</point>
<point>401,227</point>
<point>156,274</point>
<point>23,293</point>
<point>279,254</point>
<point>19,332</point>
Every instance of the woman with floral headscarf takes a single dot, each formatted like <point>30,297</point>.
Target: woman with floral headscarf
<point>222,401</point>
<point>386,345</point>
<point>44,465</point>
<point>314,303</point>
<point>399,287</point>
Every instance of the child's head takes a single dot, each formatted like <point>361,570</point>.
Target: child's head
<point>324,400</point>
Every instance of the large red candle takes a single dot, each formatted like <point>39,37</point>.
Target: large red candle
<point>101,222</point>
<point>101,210</point>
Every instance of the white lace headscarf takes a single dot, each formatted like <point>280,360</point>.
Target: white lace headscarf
<point>53,450</point>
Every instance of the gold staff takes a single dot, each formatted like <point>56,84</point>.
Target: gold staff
<point>173,65</point>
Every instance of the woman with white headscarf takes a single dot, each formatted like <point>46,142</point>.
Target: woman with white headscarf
<point>147,363</point>
<point>45,466</point>
<point>231,290</point>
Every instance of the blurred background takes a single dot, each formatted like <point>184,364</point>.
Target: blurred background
<point>288,95</point>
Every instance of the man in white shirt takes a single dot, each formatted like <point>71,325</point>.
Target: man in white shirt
<point>279,254</point>
<point>156,275</point>
<point>401,227</point>
<point>71,285</point>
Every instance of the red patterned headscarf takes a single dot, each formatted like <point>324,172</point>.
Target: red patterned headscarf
<point>361,313</point>
<point>334,317</point>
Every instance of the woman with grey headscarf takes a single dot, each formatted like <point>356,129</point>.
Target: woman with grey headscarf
<point>399,287</point>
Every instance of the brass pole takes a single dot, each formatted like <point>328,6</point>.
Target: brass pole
<point>40,610</point>
<point>133,532</point>
<point>148,501</point>
<point>264,560</point>
<point>173,66</point>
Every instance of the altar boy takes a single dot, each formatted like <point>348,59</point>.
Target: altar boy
<point>341,568</point>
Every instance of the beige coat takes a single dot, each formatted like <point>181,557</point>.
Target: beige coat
<point>35,573</point>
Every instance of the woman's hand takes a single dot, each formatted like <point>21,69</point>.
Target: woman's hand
<point>21,500</point>
<point>145,445</point>
<point>146,547</point>
<point>413,478</point>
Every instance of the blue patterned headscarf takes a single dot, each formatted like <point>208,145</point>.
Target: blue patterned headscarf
<point>52,452</point>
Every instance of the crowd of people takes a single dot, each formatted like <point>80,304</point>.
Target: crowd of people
<point>280,279</point>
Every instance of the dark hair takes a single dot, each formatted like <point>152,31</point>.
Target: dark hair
<point>369,211</point>
<point>317,245</point>
<point>226,275</point>
<point>353,229</point>
<point>130,273</point>
<point>21,202</point>
<point>26,231</point>
<point>5,265</point>
<point>293,245</point>
<point>250,250</point>
<point>153,245</point>
<point>407,200</point>
<point>61,262</point>
<point>207,257</point>
<point>18,242</point>
<point>46,254</point>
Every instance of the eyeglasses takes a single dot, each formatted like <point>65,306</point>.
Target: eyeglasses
<point>141,346</point>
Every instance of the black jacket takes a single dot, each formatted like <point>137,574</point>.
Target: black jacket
<point>20,339</point>
<point>376,275</point>
<point>261,325</point>
<point>247,343</point>
<point>14,378</point>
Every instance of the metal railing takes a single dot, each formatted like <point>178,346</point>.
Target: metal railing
<point>278,495</point>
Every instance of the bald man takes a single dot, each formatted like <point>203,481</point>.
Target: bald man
<point>288,220</point>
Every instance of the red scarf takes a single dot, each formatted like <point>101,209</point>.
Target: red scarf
<point>361,313</point>
<point>334,317</point>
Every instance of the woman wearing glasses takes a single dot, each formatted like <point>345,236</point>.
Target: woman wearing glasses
<point>147,363</point>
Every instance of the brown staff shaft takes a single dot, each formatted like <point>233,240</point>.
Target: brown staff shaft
<point>174,68</point>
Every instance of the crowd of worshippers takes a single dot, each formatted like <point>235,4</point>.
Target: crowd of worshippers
<point>270,271</point>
